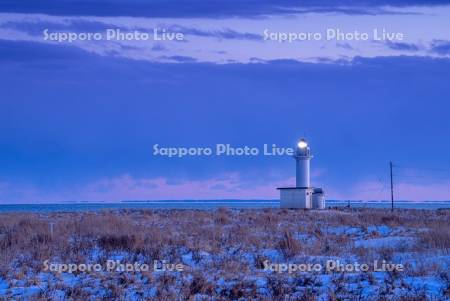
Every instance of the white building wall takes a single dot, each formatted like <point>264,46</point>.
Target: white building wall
<point>318,201</point>
<point>296,198</point>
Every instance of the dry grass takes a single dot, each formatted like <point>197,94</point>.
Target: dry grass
<point>437,236</point>
<point>27,239</point>
<point>159,232</point>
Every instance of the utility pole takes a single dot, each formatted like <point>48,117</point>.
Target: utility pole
<point>392,188</point>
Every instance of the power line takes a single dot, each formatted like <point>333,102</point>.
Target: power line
<point>418,173</point>
<point>430,173</point>
<point>392,187</point>
<point>423,168</point>
<point>422,177</point>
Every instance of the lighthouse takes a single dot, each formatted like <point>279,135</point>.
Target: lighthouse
<point>302,195</point>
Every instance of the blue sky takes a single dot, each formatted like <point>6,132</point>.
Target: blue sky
<point>78,120</point>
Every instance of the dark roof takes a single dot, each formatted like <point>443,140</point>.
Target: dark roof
<point>281,188</point>
<point>317,190</point>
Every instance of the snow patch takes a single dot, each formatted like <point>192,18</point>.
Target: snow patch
<point>385,242</point>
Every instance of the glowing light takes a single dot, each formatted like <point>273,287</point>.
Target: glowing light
<point>302,144</point>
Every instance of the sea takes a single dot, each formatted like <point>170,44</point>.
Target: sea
<point>208,205</point>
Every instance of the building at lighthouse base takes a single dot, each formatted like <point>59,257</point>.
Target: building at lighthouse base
<point>302,197</point>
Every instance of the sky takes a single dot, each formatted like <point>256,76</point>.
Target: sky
<point>364,83</point>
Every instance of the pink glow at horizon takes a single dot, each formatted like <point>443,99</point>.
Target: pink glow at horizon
<point>228,186</point>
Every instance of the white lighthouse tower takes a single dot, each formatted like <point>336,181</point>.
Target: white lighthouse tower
<point>302,158</point>
<point>302,195</point>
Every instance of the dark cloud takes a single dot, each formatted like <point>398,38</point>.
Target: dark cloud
<point>226,33</point>
<point>441,47</point>
<point>403,46</point>
<point>38,27</point>
<point>179,58</point>
<point>32,52</point>
<point>83,116</point>
<point>344,46</point>
<point>158,47</point>
<point>201,8</point>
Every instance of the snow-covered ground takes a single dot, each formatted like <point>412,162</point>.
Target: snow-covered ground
<point>226,255</point>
